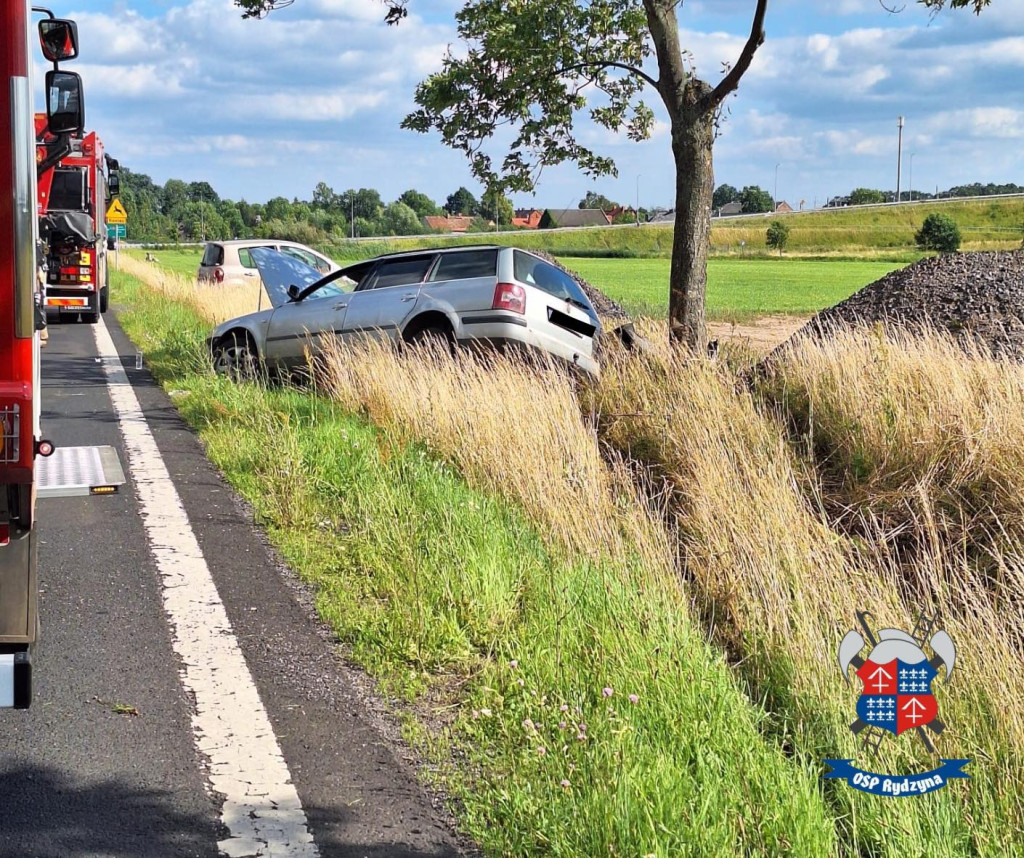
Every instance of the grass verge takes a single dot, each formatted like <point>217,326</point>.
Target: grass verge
<point>587,714</point>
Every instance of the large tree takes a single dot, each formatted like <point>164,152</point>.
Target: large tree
<point>531,66</point>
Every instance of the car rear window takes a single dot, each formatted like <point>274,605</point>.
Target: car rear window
<point>536,272</point>
<point>466,264</point>
<point>400,272</point>
<point>214,255</point>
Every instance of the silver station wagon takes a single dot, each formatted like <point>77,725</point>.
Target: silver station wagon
<point>480,294</point>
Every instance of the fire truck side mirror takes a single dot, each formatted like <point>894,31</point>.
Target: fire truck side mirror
<point>65,110</point>
<point>114,183</point>
<point>58,39</point>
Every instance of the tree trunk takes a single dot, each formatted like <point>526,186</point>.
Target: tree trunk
<point>693,136</point>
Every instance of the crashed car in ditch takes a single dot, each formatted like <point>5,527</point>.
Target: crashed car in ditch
<point>458,295</point>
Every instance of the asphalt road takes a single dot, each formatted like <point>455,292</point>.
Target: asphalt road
<point>80,773</point>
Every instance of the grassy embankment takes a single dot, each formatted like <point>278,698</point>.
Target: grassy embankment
<point>751,544</point>
<point>519,597</point>
<point>884,233</point>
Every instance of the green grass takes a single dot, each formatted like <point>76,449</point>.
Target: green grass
<point>437,588</point>
<point>182,260</point>
<point>737,288</point>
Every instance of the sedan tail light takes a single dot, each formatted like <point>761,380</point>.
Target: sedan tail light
<point>509,296</point>
<point>218,274</point>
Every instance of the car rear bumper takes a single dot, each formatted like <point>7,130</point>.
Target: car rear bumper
<point>506,329</point>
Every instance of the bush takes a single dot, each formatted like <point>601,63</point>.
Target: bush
<point>547,221</point>
<point>777,235</point>
<point>939,232</point>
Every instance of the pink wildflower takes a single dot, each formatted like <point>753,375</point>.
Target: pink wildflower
<point>634,698</point>
<point>607,691</point>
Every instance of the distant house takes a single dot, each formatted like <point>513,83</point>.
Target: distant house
<point>733,208</point>
<point>783,207</point>
<point>446,223</point>
<point>579,217</point>
<point>663,216</point>
<point>527,218</point>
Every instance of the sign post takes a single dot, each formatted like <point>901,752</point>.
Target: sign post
<point>117,219</point>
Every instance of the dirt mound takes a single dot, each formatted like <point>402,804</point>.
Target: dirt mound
<point>605,306</point>
<point>975,296</point>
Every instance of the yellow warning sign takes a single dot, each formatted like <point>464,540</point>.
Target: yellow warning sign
<point>116,213</point>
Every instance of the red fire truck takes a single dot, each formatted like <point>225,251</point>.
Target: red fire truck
<point>20,439</point>
<point>73,198</point>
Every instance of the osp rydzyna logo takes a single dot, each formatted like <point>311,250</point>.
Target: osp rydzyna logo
<point>897,698</point>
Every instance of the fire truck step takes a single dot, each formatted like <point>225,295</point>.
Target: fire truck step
<point>75,471</point>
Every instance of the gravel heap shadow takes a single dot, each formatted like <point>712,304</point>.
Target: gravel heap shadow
<point>974,296</point>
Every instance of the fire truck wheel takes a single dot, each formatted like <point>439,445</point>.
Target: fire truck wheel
<point>92,318</point>
<point>104,299</point>
<point>236,357</point>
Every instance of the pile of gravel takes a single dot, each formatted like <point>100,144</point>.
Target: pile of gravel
<point>605,306</point>
<point>977,296</point>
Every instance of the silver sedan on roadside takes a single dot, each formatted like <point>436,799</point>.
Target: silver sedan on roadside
<point>478,294</point>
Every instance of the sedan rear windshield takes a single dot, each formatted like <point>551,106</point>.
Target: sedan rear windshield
<point>536,272</point>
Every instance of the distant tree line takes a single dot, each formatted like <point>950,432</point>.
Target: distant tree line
<point>753,199</point>
<point>193,211</point>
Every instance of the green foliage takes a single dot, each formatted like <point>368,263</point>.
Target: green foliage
<point>419,203</point>
<point>547,220</point>
<point>462,202</point>
<point>723,195</point>
<point>557,50</point>
<point>939,232</point>
<point>495,206</point>
<point>777,235</point>
<point>399,219</point>
<point>755,200</point>
<point>594,200</point>
<point>865,196</point>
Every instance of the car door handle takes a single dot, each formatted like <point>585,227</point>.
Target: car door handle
<point>409,296</point>
<point>341,305</point>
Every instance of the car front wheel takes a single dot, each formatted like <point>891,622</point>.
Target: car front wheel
<point>235,357</point>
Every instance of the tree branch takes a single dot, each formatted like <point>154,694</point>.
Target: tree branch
<point>609,64</point>
<point>729,83</point>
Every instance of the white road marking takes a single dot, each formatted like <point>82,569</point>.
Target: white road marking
<point>261,807</point>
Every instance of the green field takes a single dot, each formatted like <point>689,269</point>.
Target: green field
<point>737,288</point>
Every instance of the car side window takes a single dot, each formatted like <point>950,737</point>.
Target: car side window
<point>399,272</point>
<point>245,257</point>
<point>301,255</point>
<point>466,264</point>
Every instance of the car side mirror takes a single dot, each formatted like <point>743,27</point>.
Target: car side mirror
<point>59,39</point>
<point>65,112</point>
<point>294,292</point>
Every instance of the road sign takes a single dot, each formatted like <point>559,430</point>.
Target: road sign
<point>116,230</point>
<point>116,212</point>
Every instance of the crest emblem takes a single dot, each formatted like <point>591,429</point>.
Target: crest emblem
<point>896,675</point>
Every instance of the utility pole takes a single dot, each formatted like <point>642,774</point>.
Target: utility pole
<point>912,176</point>
<point>638,199</point>
<point>352,216</point>
<point>899,158</point>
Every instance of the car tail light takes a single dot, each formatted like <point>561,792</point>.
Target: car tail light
<point>509,296</point>
<point>218,274</point>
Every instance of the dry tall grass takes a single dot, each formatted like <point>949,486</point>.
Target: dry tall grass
<point>907,426</point>
<point>213,302</point>
<point>511,429</point>
<point>781,587</point>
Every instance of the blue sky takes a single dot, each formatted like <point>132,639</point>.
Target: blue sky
<point>186,89</point>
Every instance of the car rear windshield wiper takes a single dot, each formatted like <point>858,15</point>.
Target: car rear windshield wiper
<point>577,303</point>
